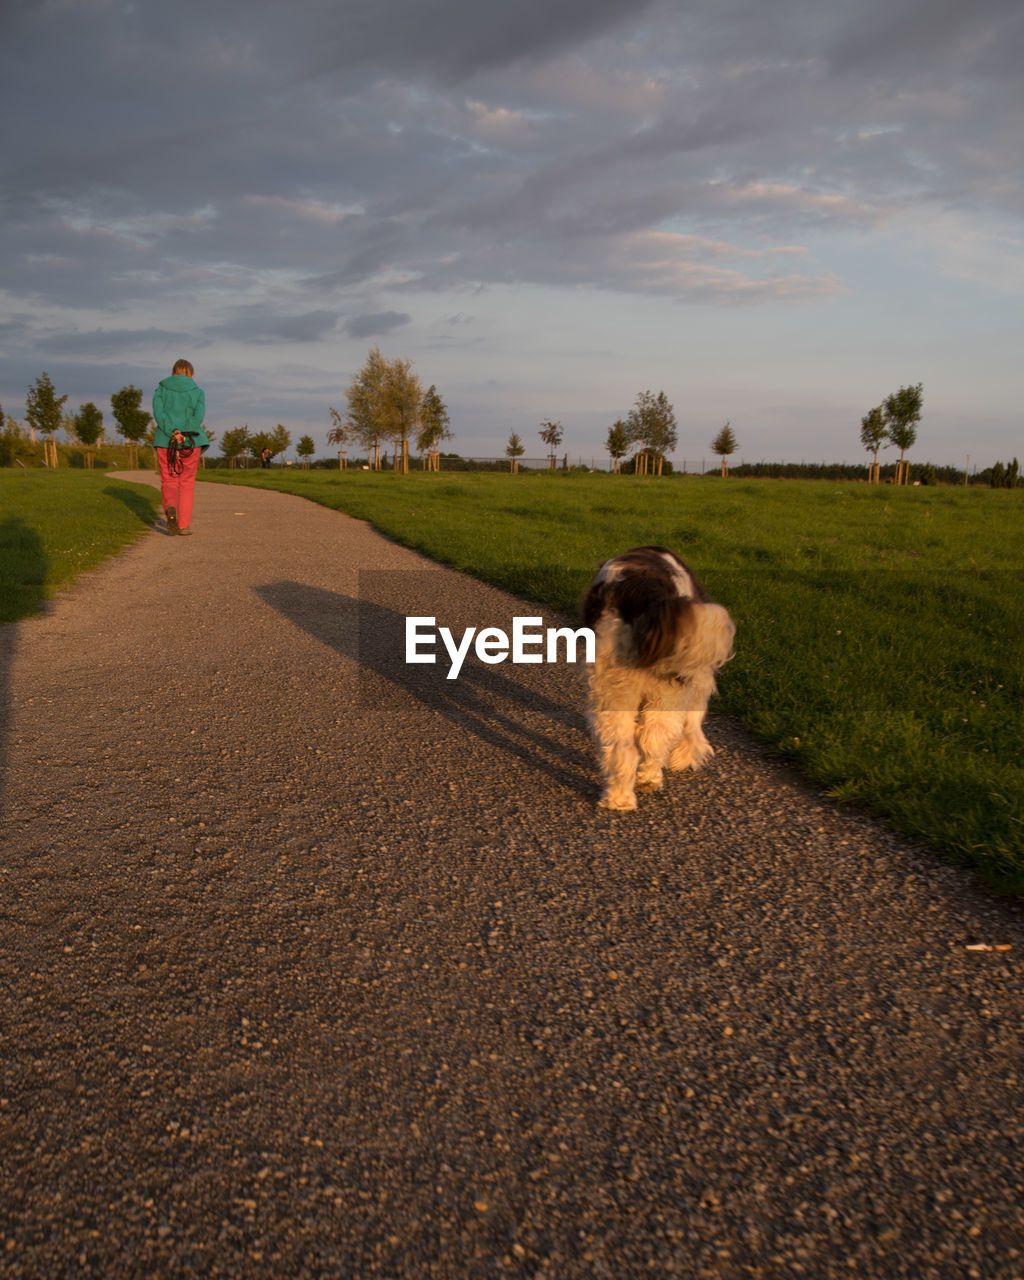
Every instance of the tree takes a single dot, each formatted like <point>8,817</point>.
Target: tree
<point>1005,476</point>
<point>280,439</point>
<point>873,435</point>
<point>366,413</point>
<point>13,442</point>
<point>434,427</point>
<point>305,449</point>
<point>724,444</point>
<point>651,425</point>
<point>514,450</point>
<point>87,426</point>
<point>385,400</point>
<point>339,435</point>
<point>234,444</point>
<point>277,441</point>
<point>902,414</point>
<point>551,434</point>
<point>617,444</point>
<point>403,396</point>
<point>132,420</point>
<point>257,442</point>
<point>43,414</point>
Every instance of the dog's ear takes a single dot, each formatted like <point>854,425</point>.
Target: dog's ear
<point>593,604</point>
<point>709,636</point>
<point>694,634</point>
<point>659,629</point>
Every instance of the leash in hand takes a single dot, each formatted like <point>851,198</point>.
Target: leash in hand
<point>182,446</point>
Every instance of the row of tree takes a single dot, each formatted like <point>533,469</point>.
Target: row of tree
<point>263,445</point>
<point>1006,476</point>
<point>386,401</point>
<point>44,412</point>
<point>649,430</point>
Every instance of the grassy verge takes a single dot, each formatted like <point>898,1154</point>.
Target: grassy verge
<point>880,633</point>
<point>56,524</point>
<point>103,457</point>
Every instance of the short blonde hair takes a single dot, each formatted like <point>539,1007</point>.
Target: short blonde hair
<point>183,366</point>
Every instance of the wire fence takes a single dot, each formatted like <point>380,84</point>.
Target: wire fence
<point>568,462</point>
<point>919,473</point>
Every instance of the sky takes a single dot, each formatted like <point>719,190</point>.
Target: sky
<point>777,213</point>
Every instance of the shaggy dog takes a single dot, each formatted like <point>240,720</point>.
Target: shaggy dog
<point>659,643</point>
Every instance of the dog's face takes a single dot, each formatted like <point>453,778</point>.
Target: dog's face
<point>653,614</point>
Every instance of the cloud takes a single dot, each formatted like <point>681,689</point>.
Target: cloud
<point>694,268</point>
<point>380,322</point>
<point>254,324</point>
<point>923,37</point>
<point>455,40</point>
<point>289,175</point>
<point>109,343</point>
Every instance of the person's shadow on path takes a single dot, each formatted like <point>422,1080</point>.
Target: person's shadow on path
<point>500,711</point>
<point>140,504</point>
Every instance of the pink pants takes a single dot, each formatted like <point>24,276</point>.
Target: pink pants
<point>178,491</point>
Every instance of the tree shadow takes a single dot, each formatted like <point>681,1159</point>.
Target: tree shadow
<point>512,715</point>
<point>23,565</point>
<point>140,504</point>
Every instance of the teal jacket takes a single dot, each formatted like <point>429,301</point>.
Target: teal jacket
<point>179,405</point>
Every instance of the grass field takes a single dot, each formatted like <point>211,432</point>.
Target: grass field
<point>56,524</point>
<point>880,639</point>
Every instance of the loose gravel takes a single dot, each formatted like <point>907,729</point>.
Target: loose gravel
<point>315,964</point>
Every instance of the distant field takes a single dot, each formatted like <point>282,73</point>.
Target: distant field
<point>56,524</point>
<point>880,638</point>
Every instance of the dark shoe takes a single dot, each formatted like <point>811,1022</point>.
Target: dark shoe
<point>184,533</point>
<point>172,520</point>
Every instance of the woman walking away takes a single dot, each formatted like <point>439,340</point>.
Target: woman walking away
<point>179,407</point>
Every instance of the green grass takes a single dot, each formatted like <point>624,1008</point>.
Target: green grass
<point>880,633</point>
<point>56,524</point>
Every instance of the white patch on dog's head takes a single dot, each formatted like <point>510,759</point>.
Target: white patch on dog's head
<point>654,561</point>
<point>608,572</point>
<point>680,576</point>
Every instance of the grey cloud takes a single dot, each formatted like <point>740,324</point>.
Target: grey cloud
<point>269,169</point>
<point>651,263</point>
<point>16,328</point>
<point>109,343</point>
<point>260,325</point>
<point>456,39</point>
<point>381,322</point>
<point>925,37</point>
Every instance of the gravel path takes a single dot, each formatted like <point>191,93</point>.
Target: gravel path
<point>314,964</point>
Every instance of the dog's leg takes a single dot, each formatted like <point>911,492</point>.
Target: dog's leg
<point>693,750</point>
<point>611,711</point>
<point>612,716</point>
<point>661,724</point>
<point>615,735</point>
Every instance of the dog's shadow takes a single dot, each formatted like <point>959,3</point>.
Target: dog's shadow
<point>511,715</point>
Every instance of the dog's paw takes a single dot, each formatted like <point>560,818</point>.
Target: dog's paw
<point>690,755</point>
<point>619,802</point>
<point>650,782</point>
